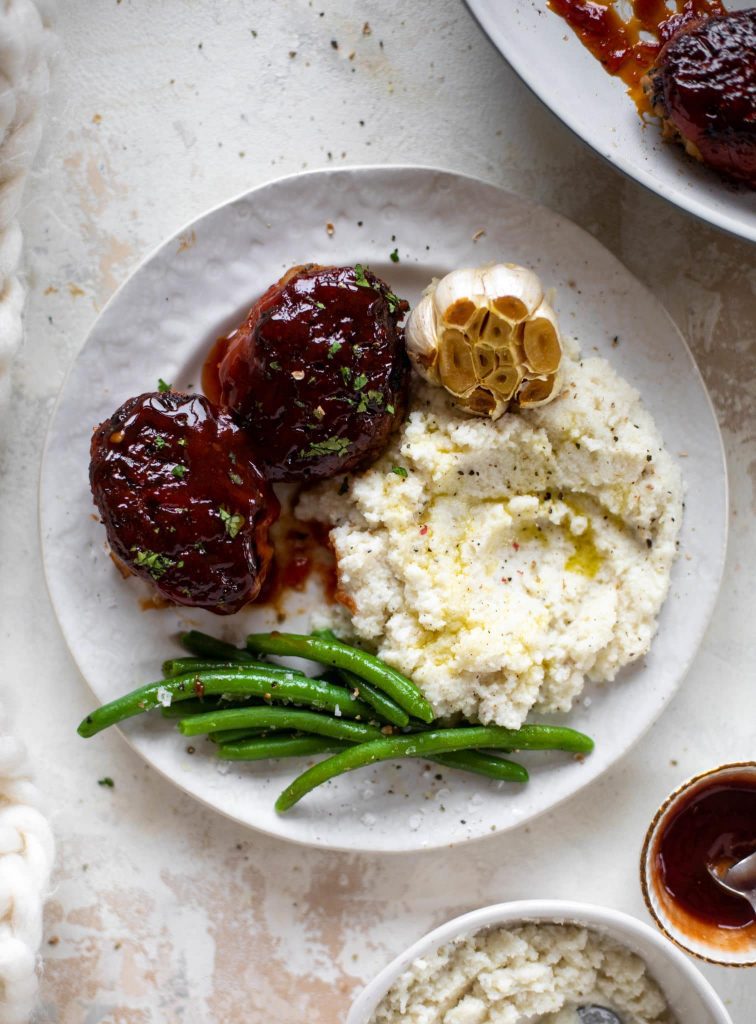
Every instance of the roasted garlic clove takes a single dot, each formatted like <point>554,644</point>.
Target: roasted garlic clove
<point>488,336</point>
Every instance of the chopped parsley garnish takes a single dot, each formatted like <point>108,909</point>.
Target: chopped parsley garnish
<point>331,446</point>
<point>182,442</point>
<point>232,522</point>
<point>359,382</point>
<point>155,564</point>
<point>232,457</point>
<point>320,305</point>
<point>362,282</point>
<point>363,404</point>
<point>376,397</point>
<point>346,373</point>
<point>359,277</point>
<point>333,348</point>
<point>390,410</point>
<point>179,472</point>
<point>235,478</point>
<point>274,364</point>
<point>200,548</point>
<point>400,471</point>
<point>107,781</point>
<point>159,441</point>
<point>394,256</point>
<point>163,387</point>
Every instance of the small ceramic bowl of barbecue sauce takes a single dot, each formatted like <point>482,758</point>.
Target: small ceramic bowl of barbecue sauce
<point>705,826</point>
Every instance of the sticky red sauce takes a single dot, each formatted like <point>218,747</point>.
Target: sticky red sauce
<point>211,385</point>
<point>715,824</point>
<point>154,603</point>
<point>623,45</point>
<point>302,553</point>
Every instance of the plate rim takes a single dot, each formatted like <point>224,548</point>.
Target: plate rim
<point>697,210</point>
<point>431,845</point>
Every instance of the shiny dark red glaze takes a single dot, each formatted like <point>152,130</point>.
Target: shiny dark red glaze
<point>704,84</point>
<point>716,824</point>
<point>627,47</point>
<point>183,519</point>
<point>317,373</point>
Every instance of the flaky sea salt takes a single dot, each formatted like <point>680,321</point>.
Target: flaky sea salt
<point>164,696</point>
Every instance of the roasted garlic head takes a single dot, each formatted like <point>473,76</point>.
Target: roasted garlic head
<point>488,336</point>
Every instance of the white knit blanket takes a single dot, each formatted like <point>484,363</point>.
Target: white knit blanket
<point>26,843</point>
<point>25,48</point>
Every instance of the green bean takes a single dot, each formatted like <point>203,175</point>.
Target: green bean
<point>243,745</point>
<point>463,760</point>
<point>340,655</point>
<point>191,707</point>
<point>279,718</point>
<point>235,741</point>
<point>180,666</point>
<point>260,748</point>
<point>263,667</point>
<point>181,709</point>
<point>279,746</point>
<point>529,737</point>
<point>378,701</point>
<point>324,634</point>
<point>239,682</point>
<point>211,648</point>
<point>234,735</point>
<point>483,764</point>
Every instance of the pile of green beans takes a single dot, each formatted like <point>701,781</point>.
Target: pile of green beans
<point>253,709</point>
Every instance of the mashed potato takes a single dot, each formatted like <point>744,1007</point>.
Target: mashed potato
<point>529,972</point>
<point>501,564</point>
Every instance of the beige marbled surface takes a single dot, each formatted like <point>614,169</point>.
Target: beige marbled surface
<point>162,911</point>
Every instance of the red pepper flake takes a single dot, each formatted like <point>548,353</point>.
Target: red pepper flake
<point>423,530</point>
<point>515,545</point>
<point>199,687</point>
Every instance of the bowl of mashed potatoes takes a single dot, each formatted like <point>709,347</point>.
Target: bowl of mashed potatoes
<point>544,961</point>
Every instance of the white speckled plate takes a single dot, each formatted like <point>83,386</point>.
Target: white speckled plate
<point>199,283</point>
<point>551,60</point>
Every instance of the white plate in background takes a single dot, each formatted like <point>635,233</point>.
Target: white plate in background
<point>200,283</point>
<point>551,60</point>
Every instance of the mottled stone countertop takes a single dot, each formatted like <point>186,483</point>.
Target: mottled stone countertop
<point>162,911</point>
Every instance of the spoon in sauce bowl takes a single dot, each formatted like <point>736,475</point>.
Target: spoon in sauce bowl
<point>738,878</point>
<point>597,1015</point>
